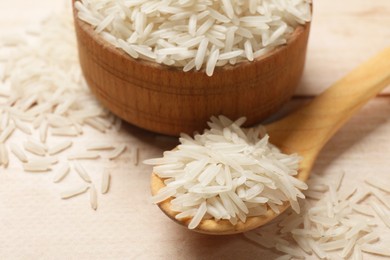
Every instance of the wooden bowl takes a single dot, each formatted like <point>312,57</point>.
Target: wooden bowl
<point>167,100</point>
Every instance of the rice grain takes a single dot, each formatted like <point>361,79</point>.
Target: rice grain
<point>117,151</point>
<point>60,147</point>
<point>100,146</point>
<point>74,191</point>
<point>34,147</point>
<point>93,197</point>
<point>106,177</point>
<point>4,157</point>
<point>18,152</point>
<point>84,155</point>
<point>61,173</point>
<point>81,172</point>
<point>6,133</point>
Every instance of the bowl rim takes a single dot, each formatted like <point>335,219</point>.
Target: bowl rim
<point>109,47</point>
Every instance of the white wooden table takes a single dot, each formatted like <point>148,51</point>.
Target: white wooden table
<point>36,224</point>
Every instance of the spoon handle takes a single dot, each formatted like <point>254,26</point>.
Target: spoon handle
<point>308,129</point>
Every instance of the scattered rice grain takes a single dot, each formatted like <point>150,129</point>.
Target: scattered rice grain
<point>61,172</point>
<point>105,181</point>
<point>81,172</point>
<point>93,197</point>
<point>74,191</point>
<point>116,152</point>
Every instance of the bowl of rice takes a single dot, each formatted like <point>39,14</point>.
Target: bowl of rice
<point>168,66</point>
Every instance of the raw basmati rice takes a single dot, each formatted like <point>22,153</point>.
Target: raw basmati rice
<point>224,165</point>
<point>369,238</point>
<point>43,132</point>
<point>82,172</point>
<point>100,146</point>
<point>382,251</point>
<point>117,151</point>
<point>84,155</point>
<point>348,233</point>
<point>95,124</point>
<point>22,126</point>
<point>381,212</point>
<point>195,34</point>
<point>61,172</point>
<point>43,94</point>
<point>50,160</point>
<point>34,147</point>
<point>380,184</point>
<point>36,167</point>
<point>381,197</point>
<point>74,191</point>
<point>4,158</point>
<point>106,177</point>
<point>18,152</point>
<point>60,147</point>
<point>64,131</point>
<point>93,197</point>
<point>7,132</point>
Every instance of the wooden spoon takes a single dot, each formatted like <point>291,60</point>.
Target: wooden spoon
<point>305,132</point>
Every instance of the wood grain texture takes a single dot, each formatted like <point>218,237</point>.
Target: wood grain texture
<point>307,130</point>
<point>167,100</point>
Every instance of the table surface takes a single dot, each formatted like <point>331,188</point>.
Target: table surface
<point>35,223</point>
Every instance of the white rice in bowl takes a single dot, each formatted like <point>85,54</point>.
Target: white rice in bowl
<point>195,34</point>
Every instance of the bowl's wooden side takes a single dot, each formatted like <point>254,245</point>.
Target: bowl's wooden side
<point>167,100</point>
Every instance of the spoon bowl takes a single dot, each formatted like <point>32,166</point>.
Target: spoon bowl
<point>305,132</point>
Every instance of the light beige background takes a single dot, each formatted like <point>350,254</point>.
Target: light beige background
<point>36,224</point>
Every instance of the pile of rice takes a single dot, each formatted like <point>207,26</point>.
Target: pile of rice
<point>227,173</point>
<point>195,34</point>
<point>45,105</point>
<point>334,223</point>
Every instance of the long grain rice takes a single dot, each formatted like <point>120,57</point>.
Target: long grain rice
<point>381,212</point>
<point>377,250</point>
<point>61,173</point>
<point>73,191</point>
<point>60,147</point>
<point>18,152</point>
<point>6,133</point>
<point>93,197</point>
<point>36,167</point>
<point>22,127</point>
<point>4,157</point>
<point>380,184</point>
<point>383,198</point>
<point>95,124</point>
<point>64,131</point>
<point>106,177</point>
<point>47,97</point>
<point>84,155</point>
<point>82,172</point>
<point>195,34</point>
<point>346,233</point>
<point>117,151</point>
<point>34,147</point>
<point>232,164</point>
<point>100,146</point>
<point>43,132</point>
